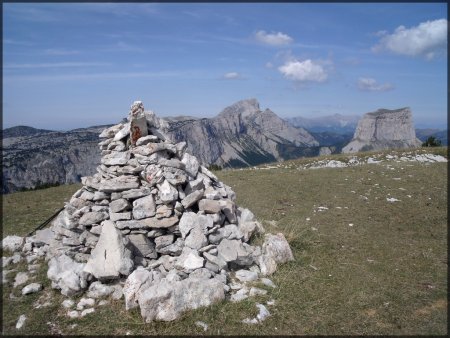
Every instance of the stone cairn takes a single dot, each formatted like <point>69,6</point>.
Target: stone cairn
<point>157,227</point>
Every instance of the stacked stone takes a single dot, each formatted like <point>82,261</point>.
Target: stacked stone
<point>154,215</point>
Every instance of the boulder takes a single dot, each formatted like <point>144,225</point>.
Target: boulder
<point>110,257</point>
<point>167,300</point>
<point>67,275</point>
<point>137,282</point>
<point>13,243</point>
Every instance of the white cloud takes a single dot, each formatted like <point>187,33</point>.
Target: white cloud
<point>273,39</point>
<point>370,84</point>
<point>232,76</point>
<point>304,71</point>
<point>427,39</point>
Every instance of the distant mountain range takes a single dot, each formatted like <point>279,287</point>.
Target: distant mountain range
<point>241,135</point>
<point>337,123</point>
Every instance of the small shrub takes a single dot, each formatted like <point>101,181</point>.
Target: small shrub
<point>215,167</point>
<point>432,142</point>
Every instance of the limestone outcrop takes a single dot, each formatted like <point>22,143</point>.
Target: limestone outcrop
<point>384,129</point>
<point>155,221</point>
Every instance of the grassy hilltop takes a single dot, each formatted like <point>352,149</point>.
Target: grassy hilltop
<point>363,265</point>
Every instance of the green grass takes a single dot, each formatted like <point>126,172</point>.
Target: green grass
<point>385,275</point>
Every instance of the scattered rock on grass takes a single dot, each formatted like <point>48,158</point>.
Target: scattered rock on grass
<point>31,288</point>
<point>21,322</point>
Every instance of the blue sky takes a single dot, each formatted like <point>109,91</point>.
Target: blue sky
<point>72,65</point>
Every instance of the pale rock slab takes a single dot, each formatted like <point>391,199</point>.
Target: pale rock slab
<point>146,223</point>
<point>189,260</point>
<point>85,302</point>
<point>117,184</point>
<point>146,139</point>
<point>68,303</point>
<point>31,288</point>
<point>257,291</point>
<point>119,205</point>
<point>137,282</point>
<point>167,192</point>
<point>21,322</point>
<point>192,198</point>
<point>163,241</point>
<point>196,239</point>
<point>87,311</point>
<point>67,275</point>
<point>21,278</point>
<point>99,290</point>
<point>142,246</point>
<point>277,247</point>
<point>246,275</point>
<point>115,158</point>
<point>110,257</point>
<point>12,243</point>
<point>167,300</point>
<point>144,207</point>
<point>93,217</point>
<point>191,164</point>
<point>119,216</point>
<point>209,206</point>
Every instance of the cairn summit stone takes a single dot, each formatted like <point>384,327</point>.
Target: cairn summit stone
<point>154,219</point>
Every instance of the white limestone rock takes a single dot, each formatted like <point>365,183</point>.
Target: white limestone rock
<point>192,198</point>
<point>278,248</point>
<point>21,278</point>
<point>31,288</point>
<point>146,223</point>
<point>196,239</point>
<point>189,260</point>
<point>144,207</point>
<point>93,217</point>
<point>85,302</point>
<point>21,322</point>
<point>110,257</point>
<point>191,164</point>
<point>99,290</point>
<point>13,243</point>
<point>167,192</point>
<point>167,300</point>
<point>67,275</point>
<point>87,311</point>
<point>142,246</point>
<point>246,275</point>
<point>119,205</point>
<point>137,282</point>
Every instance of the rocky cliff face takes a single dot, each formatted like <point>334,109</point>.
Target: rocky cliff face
<point>49,158</point>
<point>240,135</point>
<point>384,129</point>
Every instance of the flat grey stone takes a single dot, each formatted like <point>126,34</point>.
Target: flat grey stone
<point>246,275</point>
<point>119,216</point>
<point>31,288</point>
<point>147,223</point>
<point>119,205</point>
<point>190,199</point>
<point>142,246</point>
<point>110,257</point>
<point>13,243</point>
<point>93,217</point>
<point>144,207</point>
